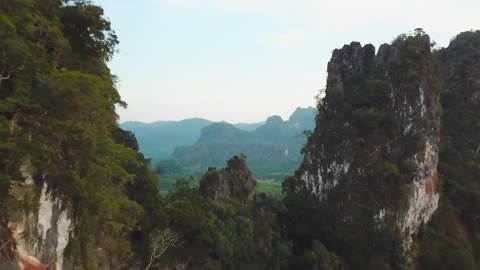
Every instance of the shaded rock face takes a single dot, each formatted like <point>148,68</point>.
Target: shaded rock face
<point>460,67</point>
<point>376,152</point>
<point>40,227</point>
<point>460,154</point>
<point>234,181</point>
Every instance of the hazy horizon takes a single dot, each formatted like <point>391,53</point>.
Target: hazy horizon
<point>284,118</point>
<point>242,61</point>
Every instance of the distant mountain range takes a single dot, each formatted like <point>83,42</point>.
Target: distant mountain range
<point>158,140</point>
<point>271,147</point>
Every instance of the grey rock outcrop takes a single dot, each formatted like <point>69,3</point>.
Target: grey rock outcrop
<point>376,152</point>
<point>234,181</point>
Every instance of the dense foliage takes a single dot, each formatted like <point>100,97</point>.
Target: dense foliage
<point>57,117</point>
<point>57,101</point>
<point>273,148</point>
<point>227,234</point>
<point>300,231</point>
<point>359,161</point>
<point>158,140</point>
<point>453,238</point>
<point>188,147</point>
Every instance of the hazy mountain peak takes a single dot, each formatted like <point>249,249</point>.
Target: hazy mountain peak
<point>274,119</point>
<point>302,115</point>
<point>218,128</point>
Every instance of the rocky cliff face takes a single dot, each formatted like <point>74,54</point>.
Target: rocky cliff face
<point>375,155</point>
<point>459,160</point>
<point>233,181</point>
<point>39,228</point>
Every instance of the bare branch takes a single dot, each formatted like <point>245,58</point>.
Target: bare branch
<point>161,241</point>
<point>4,69</point>
<point>4,78</point>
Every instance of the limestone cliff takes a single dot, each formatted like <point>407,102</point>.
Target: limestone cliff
<point>459,163</point>
<point>65,180</point>
<point>375,155</point>
<point>234,181</point>
<point>39,228</point>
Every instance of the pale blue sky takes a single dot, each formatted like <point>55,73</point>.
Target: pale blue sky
<point>243,60</point>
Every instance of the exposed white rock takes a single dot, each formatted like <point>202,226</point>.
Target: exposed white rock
<point>64,228</point>
<point>409,109</point>
<point>338,169</point>
<point>381,214</point>
<point>41,233</point>
<point>422,102</point>
<point>316,183</point>
<point>45,212</point>
<point>408,127</point>
<point>313,182</point>
<point>424,199</point>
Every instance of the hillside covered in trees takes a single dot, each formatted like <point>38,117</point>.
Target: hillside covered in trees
<point>273,149</point>
<point>389,178</point>
<point>158,140</point>
<point>189,147</point>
